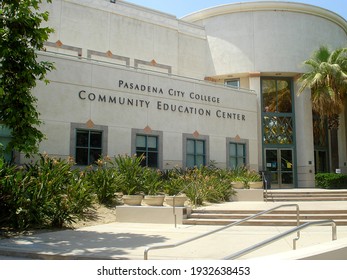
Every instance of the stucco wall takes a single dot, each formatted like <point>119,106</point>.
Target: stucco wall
<point>81,90</point>
<point>129,31</point>
<point>267,37</point>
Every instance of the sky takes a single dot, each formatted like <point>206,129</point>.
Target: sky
<point>180,8</point>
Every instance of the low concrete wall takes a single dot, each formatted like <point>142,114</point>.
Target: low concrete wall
<point>151,214</point>
<point>248,195</point>
<point>333,250</point>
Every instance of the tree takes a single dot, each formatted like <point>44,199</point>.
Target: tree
<point>21,35</point>
<point>327,79</point>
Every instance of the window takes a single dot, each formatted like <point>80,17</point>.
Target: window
<point>278,111</point>
<point>88,146</point>
<point>196,153</point>
<point>277,95</point>
<point>233,83</point>
<point>148,146</point>
<point>237,154</point>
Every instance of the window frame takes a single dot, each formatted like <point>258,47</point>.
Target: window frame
<point>237,141</point>
<point>232,80</point>
<point>203,138</point>
<point>158,134</point>
<point>75,127</point>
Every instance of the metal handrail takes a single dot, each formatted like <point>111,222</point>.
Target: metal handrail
<point>225,227</point>
<point>174,202</point>
<point>281,235</point>
<point>266,186</point>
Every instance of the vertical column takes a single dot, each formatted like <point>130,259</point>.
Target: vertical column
<point>254,84</point>
<point>304,138</point>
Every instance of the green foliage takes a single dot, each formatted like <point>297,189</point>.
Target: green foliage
<point>131,169</point>
<point>331,181</point>
<point>173,181</point>
<point>105,180</point>
<point>326,76</point>
<point>52,193</point>
<point>152,181</point>
<point>203,184</point>
<point>21,35</point>
<point>47,193</point>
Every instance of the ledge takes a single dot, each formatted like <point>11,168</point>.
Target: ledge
<point>248,195</point>
<point>150,214</point>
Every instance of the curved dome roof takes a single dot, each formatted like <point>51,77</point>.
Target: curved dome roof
<point>266,6</point>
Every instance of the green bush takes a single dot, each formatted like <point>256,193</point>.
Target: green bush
<point>47,193</point>
<point>105,180</point>
<point>131,169</point>
<point>207,184</point>
<point>331,180</point>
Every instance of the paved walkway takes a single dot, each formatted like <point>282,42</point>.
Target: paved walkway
<point>129,240</point>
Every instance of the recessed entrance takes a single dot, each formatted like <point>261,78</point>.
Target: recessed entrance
<point>280,163</point>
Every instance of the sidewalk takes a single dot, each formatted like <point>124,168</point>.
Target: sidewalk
<point>129,240</point>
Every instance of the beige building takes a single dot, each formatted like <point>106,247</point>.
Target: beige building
<point>219,85</point>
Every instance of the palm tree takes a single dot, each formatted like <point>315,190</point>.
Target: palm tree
<point>327,79</point>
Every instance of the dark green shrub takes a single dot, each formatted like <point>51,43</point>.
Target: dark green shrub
<point>132,171</point>
<point>173,181</point>
<point>105,180</point>
<point>331,181</point>
<point>152,181</point>
<point>208,184</point>
<point>47,193</point>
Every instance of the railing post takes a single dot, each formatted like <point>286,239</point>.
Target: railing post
<point>174,209</point>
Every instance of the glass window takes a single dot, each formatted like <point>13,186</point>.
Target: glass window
<point>237,154</point>
<point>278,117</point>
<point>147,146</point>
<point>233,83</point>
<point>88,146</point>
<point>277,95</point>
<point>196,153</point>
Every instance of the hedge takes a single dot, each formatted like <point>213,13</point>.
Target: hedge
<point>331,181</point>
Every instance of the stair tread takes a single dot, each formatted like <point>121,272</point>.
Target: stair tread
<point>278,212</point>
<point>236,216</point>
<point>277,217</point>
<point>252,222</point>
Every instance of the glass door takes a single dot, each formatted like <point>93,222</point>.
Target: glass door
<point>280,163</point>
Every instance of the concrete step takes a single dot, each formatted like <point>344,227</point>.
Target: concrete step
<point>270,217</point>
<point>252,222</point>
<point>278,217</point>
<point>327,195</point>
<point>275,218</point>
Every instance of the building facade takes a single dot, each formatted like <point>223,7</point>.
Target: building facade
<point>219,85</point>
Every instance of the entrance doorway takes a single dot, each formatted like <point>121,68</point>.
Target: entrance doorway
<point>279,162</point>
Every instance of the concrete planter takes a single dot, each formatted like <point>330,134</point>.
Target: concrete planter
<point>133,200</point>
<point>153,200</point>
<point>256,185</point>
<point>237,185</point>
<point>179,200</point>
<point>248,195</point>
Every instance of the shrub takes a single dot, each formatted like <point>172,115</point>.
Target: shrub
<point>131,169</point>
<point>331,180</point>
<point>47,193</point>
<point>105,180</point>
<point>173,181</point>
<point>152,181</point>
<point>207,184</point>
